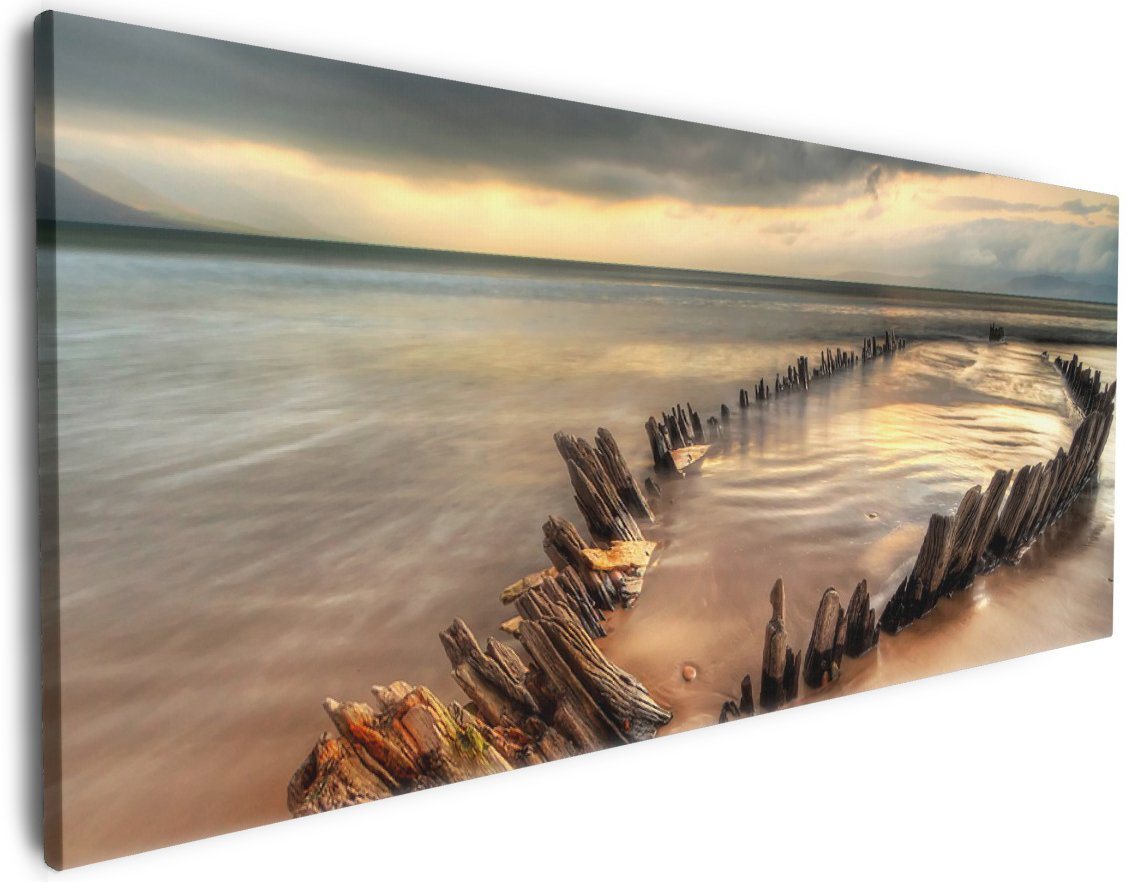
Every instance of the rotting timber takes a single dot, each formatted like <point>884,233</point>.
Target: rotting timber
<point>563,696</point>
<point>987,529</point>
<point>679,440</point>
<point>566,698</point>
<point>984,532</point>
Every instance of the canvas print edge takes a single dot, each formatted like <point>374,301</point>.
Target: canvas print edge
<point>372,754</point>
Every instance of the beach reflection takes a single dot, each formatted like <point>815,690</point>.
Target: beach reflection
<point>838,486</point>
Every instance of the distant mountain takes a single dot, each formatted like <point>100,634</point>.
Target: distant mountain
<point>74,201</point>
<point>91,192</point>
<point>78,203</point>
<point>992,281</point>
<point>1045,285</point>
<point>868,277</point>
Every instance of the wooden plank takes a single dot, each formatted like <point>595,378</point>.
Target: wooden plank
<point>684,457</point>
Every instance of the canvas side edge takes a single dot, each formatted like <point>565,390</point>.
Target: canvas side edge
<point>47,403</point>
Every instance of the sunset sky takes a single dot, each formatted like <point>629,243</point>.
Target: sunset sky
<point>249,138</point>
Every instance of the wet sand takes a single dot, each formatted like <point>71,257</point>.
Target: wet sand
<point>847,515</point>
<point>280,481</point>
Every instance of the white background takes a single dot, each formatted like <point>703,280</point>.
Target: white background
<point>1015,770</point>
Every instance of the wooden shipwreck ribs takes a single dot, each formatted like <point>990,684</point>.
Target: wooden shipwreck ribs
<point>565,697</point>
<point>678,439</point>
<point>1083,383</point>
<point>987,529</point>
<point>568,697</point>
<point>983,532</point>
<point>837,632</point>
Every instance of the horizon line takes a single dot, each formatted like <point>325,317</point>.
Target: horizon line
<point>273,237</point>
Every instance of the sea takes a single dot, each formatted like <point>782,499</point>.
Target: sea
<point>284,467</point>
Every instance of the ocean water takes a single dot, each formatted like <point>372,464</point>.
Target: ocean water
<point>280,476</point>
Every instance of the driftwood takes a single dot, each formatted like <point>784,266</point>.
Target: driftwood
<point>962,558</point>
<point>493,680</point>
<point>609,497</point>
<point>746,707</point>
<point>1084,385</point>
<point>567,700</point>
<point>583,578</point>
<point>827,642</point>
<point>614,463</point>
<point>625,563</point>
<point>674,442</point>
<point>986,531</point>
<point>679,439</point>
<point>873,348</point>
<point>601,703</point>
<point>989,510</point>
<point>564,547</point>
<point>861,631</point>
<point>778,681</point>
<point>596,493</point>
<point>332,777</point>
<point>414,743</point>
<point>918,593</point>
<point>560,587</point>
<point>684,457</point>
<point>568,697</point>
<point>988,528</point>
<point>659,445</point>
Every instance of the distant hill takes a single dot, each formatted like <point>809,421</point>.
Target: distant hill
<point>75,202</point>
<point>1061,288</point>
<point>986,280</point>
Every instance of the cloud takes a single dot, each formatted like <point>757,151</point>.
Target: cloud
<point>872,181</point>
<point>959,253</point>
<point>111,75</point>
<point>1028,257</point>
<point>984,204</point>
<point>788,231</point>
<point>1075,206</point>
<point>784,228</point>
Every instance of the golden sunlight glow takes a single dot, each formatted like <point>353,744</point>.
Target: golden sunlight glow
<point>291,192</point>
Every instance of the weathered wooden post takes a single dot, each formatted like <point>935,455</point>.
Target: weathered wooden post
<point>861,631</point>
<point>827,642</point>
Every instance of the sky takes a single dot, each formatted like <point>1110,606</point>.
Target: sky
<point>239,137</point>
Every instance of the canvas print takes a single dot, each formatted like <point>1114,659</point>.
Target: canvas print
<point>397,431</point>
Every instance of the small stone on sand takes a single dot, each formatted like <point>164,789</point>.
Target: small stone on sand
<point>689,673</point>
<point>872,516</point>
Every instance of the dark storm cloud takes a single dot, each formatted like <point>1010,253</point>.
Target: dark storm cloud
<point>358,116</point>
<point>872,181</point>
